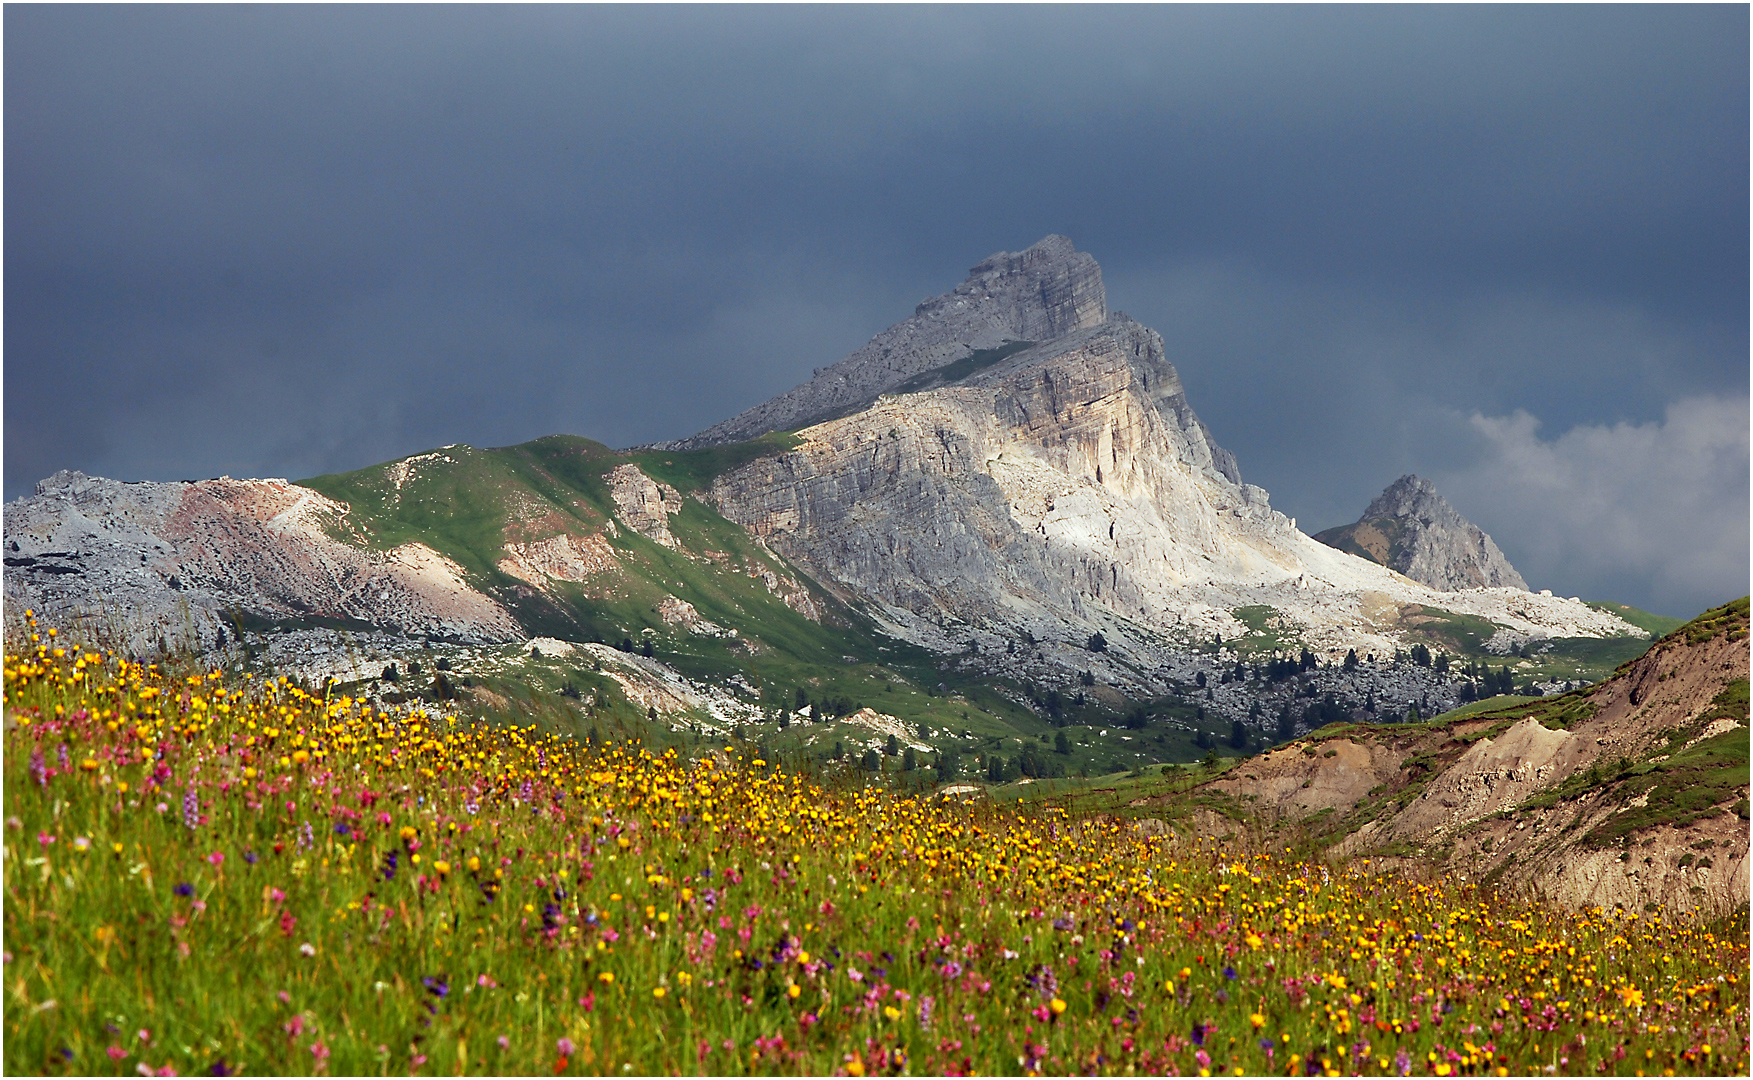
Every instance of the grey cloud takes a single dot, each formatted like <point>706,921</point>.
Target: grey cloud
<point>1662,505</point>
<point>284,240</point>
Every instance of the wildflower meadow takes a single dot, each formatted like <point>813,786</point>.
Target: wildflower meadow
<point>214,874</point>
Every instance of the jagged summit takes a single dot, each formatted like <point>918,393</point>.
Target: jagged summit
<point>1412,529</point>
<point>1041,293</point>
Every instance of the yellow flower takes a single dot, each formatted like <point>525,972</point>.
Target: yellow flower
<point>606,976</point>
<point>855,1067</point>
<point>793,990</point>
<point>1057,1005</point>
<point>1257,1020</point>
<point>659,992</point>
<point>442,867</point>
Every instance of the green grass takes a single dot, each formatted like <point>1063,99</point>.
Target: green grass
<point>1262,636</point>
<point>1699,781</point>
<point>1458,633</point>
<point>957,370</point>
<point>1489,705</point>
<point>1654,625</point>
<point>694,470</point>
<point>1729,620</point>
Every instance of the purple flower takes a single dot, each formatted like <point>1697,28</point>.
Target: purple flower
<point>38,767</point>
<point>436,985</point>
<point>1199,1034</point>
<point>185,889</point>
<point>1229,973</point>
<point>191,809</point>
<point>389,865</point>
<point>249,857</point>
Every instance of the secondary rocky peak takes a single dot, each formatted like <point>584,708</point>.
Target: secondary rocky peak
<point>1412,529</point>
<point>1410,496</point>
<point>1042,293</point>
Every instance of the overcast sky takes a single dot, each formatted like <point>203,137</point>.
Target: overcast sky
<point>1503,247</point>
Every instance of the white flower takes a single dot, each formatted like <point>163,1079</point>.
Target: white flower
<point>308,949</point>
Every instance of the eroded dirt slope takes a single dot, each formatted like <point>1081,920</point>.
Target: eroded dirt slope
<point>1631,792</point>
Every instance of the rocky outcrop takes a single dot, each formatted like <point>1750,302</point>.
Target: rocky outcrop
<point>643,504</point>
<point>1412,529</point>
<point>1042,293</point>
<point>564,557</point>
<point>147,565</point>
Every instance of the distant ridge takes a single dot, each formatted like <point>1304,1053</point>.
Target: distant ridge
<point>1412,529</point>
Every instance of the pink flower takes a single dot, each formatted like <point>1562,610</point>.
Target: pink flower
<point>144,1035</point>
<point>216,858</point>
<point>116,1053</point>
<point>319,1051</point>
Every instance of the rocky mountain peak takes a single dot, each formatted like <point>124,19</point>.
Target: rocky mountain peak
<point>1410,496</point>
<point>1412,529</point>
<point>1042,293</point>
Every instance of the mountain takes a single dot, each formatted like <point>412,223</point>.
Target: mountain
<point>1065,488</point>
<point>1628,793</point>
<point>1011,520</point>
<point>1412,529</point>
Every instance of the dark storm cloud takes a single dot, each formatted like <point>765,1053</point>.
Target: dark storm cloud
<point>283,240</point>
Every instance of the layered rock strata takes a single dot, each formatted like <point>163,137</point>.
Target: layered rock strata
<point>149,565</point>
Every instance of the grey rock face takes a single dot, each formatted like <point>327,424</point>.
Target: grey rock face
<point>1068,482</point>
<point>644,504</point>
<point>142,564</point>
<point>1412,529</point>
<point>1042,293</point>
